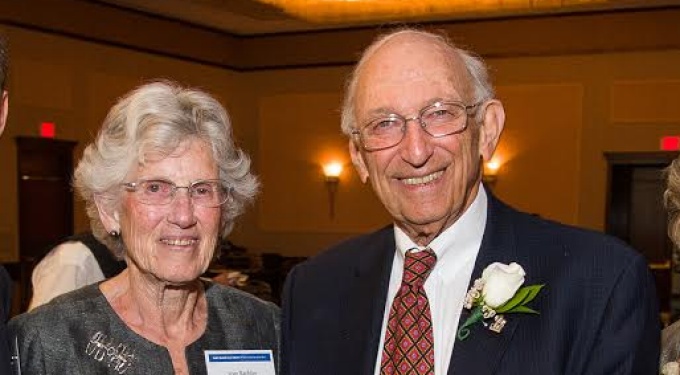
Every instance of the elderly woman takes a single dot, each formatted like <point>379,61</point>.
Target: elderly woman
<point>163,182</point>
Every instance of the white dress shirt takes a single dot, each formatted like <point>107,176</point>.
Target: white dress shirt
<point>67,267</point>
<point>456,248</point>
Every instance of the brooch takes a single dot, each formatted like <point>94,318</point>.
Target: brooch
<point>115,355</point>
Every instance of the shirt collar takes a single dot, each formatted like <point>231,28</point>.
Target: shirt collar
<point>467,230</point>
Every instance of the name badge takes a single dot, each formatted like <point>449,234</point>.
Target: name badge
<point>239,362</point>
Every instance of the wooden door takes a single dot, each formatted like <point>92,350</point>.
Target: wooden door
<point>45,168</point>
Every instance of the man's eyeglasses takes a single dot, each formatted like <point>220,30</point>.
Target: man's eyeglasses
<point>438,120</point>
<point>158,192</point>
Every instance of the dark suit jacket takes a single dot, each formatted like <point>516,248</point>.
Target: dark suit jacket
<point>5,304</point>
<point>598,309</point>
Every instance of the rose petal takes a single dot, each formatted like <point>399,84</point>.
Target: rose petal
<point>501,282</point>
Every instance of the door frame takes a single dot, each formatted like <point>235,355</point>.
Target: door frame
<point>617,216</point>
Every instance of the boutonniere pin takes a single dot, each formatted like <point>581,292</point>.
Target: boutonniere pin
<point>496,293</point>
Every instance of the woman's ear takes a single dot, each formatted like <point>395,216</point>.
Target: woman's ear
<point>358,161</point>
<point>107,214</point>
<point>491,128</point>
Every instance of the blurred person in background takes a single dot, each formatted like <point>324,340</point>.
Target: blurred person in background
<point>75,262</point>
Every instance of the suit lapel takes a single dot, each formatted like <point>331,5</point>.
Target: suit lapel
<point>481,352</point>
<point>367,298</point>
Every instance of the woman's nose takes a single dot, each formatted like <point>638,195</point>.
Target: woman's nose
<point>182,209</point>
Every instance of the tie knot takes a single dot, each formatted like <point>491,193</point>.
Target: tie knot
<point>417,266</point>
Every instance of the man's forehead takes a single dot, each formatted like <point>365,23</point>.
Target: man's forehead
<point>415,53</point>
<point>409,48</point>
<point>399,64</point>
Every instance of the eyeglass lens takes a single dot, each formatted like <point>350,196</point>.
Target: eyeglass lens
<point>207,193</point>
<point>438,120</point>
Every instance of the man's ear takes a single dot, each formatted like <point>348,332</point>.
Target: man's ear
<point>358,161</point>
<point>107,214</point>
<point>4,108</point>
<point>491,128</point>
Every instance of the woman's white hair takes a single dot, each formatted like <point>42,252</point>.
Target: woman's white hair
<point>150,122</point>
<point>476,68</point>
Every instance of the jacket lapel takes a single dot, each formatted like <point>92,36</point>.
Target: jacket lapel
<point>481,352</point>
<point>368,294</point>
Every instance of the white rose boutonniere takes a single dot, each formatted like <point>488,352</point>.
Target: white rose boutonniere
<point>501,282</point>
<point>498,292</point>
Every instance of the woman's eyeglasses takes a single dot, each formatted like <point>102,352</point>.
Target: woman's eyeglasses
<point>159,192</point>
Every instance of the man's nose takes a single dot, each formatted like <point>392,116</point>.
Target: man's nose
<point>416,146</point>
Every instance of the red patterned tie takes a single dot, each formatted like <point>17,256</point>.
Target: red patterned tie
<point>409,342</point>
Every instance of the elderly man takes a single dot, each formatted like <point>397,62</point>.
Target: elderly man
<point>412,298</point>
<point>5,282</point>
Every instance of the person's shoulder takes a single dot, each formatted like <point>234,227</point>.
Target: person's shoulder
<point>242,316</point>
<point>69,252</point>
<point>60,312</point>
<point>571,241</point>
<point>583,237</point>
<point>345,252</point>
<point>5,294</point>
<point>226,297</point>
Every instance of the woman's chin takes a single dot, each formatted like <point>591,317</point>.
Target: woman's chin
<point>180,278</point>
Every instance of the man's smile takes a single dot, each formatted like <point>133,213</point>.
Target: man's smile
<point>422,180</point>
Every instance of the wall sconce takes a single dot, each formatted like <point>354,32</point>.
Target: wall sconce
<point>332,172</point>
<point>490,172</point>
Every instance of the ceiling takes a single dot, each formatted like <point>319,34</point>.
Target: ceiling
<point>240,17</point>
<point>253,17</point>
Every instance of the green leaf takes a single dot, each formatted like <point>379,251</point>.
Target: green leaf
<point>522,309</point>
<point>514,301</point>
<point>523,296</point>
<point>533,292</point>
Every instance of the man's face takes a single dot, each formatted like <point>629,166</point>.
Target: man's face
<point>425,183</point>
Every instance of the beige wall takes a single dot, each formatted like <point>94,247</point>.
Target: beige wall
<point>563,112</point>
<point>73,83</point>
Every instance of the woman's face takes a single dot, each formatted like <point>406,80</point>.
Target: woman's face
<point>173,243</point>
